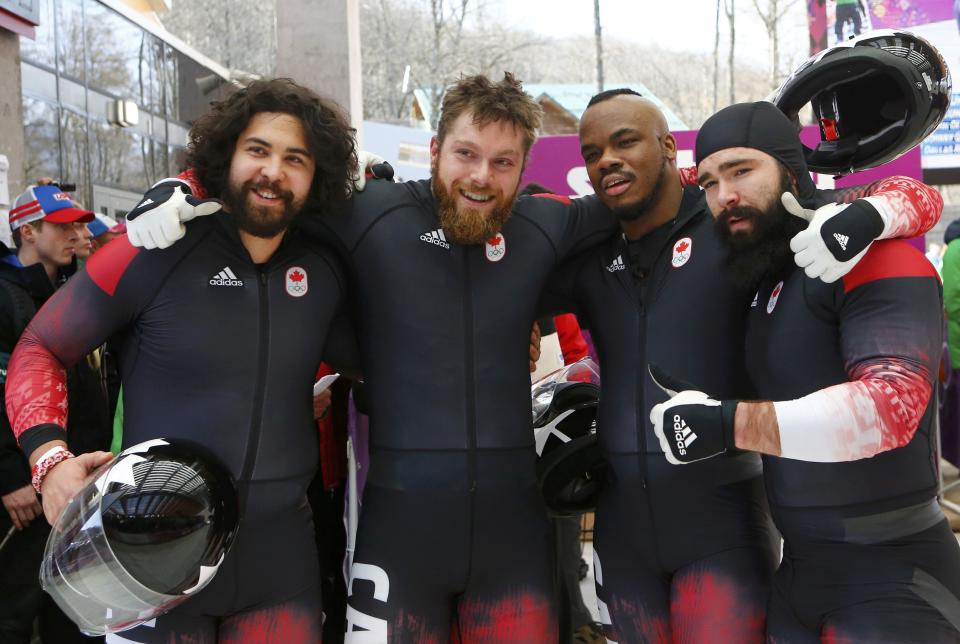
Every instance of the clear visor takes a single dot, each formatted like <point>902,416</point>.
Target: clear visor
<point>82,573</point>
<point>542,391</point>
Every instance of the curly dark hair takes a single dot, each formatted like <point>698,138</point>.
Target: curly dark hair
<point>330,138</point>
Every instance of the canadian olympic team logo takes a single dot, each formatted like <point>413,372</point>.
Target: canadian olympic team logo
<point>496,247</point>
<point>296,281</point>
<point>774,296</point>
<point>681,252</point>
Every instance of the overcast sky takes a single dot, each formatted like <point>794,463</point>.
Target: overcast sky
<point>681,25</point>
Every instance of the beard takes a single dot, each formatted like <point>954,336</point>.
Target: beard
<point>257,220</point>
<point>469,225</point>
<point>632,212</point>
<point>765,249</point>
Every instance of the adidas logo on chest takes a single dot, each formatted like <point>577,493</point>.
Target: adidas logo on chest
<point>226,277</point>
<point>616,265</point>
<point>435,237</point>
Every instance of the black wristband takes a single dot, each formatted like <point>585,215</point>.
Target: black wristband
<point>37,435</point>
<point>728,413</point>
<point>852,230</point>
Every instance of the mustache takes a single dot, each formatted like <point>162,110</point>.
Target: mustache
<point>272,186</point>
<point>604,173</point>
<point>739,212</point>
<point>469,187</point>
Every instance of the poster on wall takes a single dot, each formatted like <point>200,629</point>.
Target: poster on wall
<point>938,21</point>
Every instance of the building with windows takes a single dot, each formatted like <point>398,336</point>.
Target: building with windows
<point>103,98</point>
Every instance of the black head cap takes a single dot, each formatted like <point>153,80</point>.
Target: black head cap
<point>760,126</point>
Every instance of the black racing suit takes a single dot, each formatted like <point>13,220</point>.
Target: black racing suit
<point>218,350</point>
<point>453,538</point>
<point>868,555</point>
<point>681,553</point>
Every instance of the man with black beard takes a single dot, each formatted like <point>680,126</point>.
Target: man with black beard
<point>218,340</point>
<point>681,554</point>
<point>850,445</point>
<point>766,245</point>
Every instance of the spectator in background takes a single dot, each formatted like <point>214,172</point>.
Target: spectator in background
<point>851,11</point>
<point>950,408</point>
<point>44,222</point>
<point>104,229</point>
<point>84,246</point>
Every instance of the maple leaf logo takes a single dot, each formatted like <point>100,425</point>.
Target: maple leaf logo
<point>682,246</point>
<point>296,276</point>
<point>495,240</point>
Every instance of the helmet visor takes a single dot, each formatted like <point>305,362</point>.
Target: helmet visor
<point>111,563</point>
<point>542,391</point>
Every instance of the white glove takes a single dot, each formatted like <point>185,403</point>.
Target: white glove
<point>831,253</point>
<point>157,221</point>
<point>365,162</point>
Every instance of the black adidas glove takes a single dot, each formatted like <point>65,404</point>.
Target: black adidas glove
<point>691,426</point>
<point>157,221</point>
<point>837,237</point>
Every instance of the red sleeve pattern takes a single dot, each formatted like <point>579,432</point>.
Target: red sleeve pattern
<point>36,386</point>
<point>900,391</point>
<point>688,176</point>
<point>890,336</point>
<point>908,207</point>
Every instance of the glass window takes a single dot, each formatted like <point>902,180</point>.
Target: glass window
<point>41,49</point>
<point>168,80</point>
<point>117,50</point>
<point>151,70</point>
<point>161,163</point>
<point>177,135</point>
<point>70,38</point>
<point>193,97</point>
<point>119,157</point>
<point>38,82</point>
<point>178,159</point>
<point>42,149</point>
<point>73,160</point>
<point>73,94</point>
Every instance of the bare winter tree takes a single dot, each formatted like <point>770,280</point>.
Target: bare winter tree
<point>771,13</point>
<point>599,37</point>
<point>240,34</point>
<point>716,56</point>
<point>439,40</point>
<point>397,33</point>
<point>728,9</point>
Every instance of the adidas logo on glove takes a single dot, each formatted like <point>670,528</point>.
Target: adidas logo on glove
<point>842,240</point>
<point>682,434</point>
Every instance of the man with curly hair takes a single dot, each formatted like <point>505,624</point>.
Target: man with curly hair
<point>214,347</point>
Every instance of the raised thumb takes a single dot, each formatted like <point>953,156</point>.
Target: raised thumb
<point>789,201</point>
